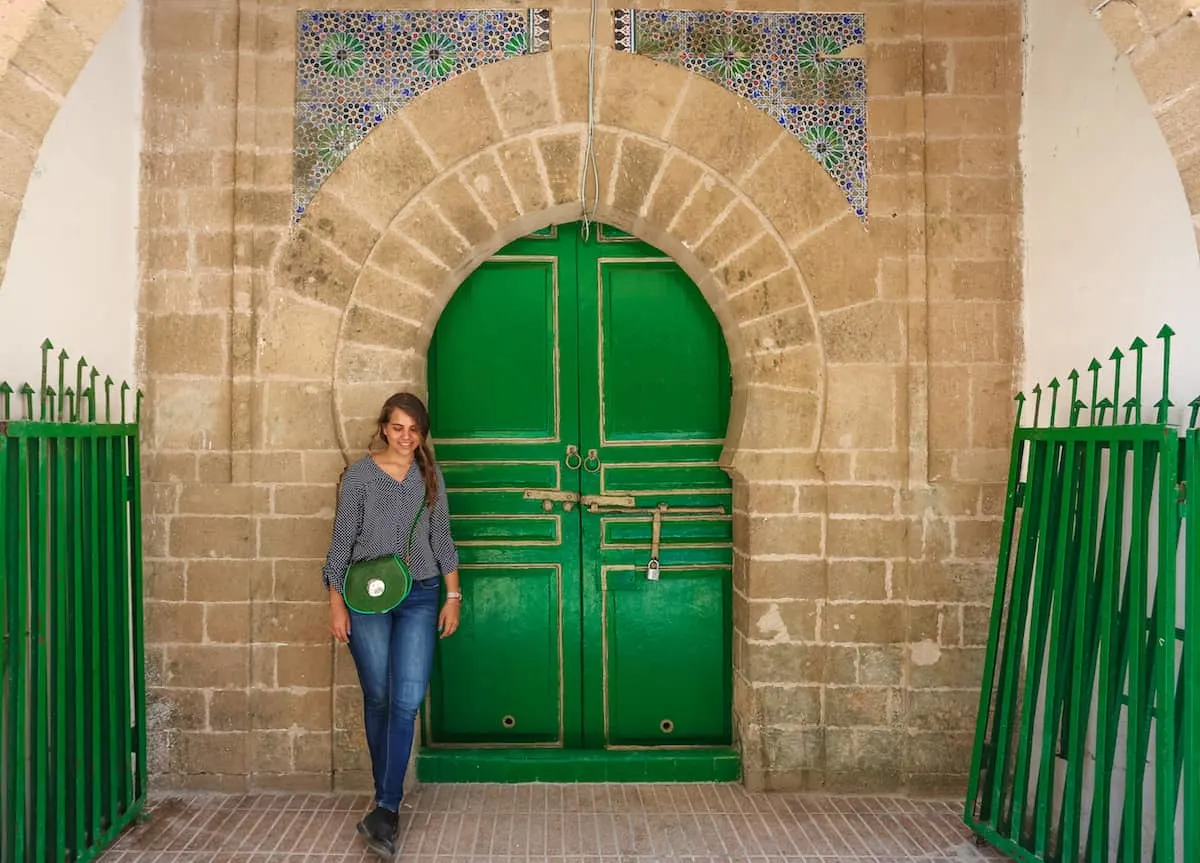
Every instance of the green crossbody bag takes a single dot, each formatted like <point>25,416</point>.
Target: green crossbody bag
<point>378,585</point>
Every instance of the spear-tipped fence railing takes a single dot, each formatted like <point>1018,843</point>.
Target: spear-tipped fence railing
<point>73,724</point>
<point>1087,743</point>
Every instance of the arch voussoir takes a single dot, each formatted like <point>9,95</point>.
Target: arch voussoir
<point>840,266</point>
<point>462,209</point>
<point>341,225</point>
<point>1162,40</point>
<point>639,163</point>
<point>562,158</point>
<point>729,234</point>
<point>521,92</point>
<point>44,47</point>
<point>637,94</point>
<point>746,131</point>
<point>383,173</point>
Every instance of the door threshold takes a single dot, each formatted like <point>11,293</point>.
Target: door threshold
<point>703,764</point>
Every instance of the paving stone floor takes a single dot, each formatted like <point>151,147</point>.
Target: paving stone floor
<point>561,823</point>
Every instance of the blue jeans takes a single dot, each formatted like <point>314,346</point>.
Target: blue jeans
<point>393,653</point>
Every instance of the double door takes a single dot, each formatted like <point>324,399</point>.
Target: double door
<point>580,392</point>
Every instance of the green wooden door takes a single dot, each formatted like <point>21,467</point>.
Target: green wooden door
<point>580,393</point>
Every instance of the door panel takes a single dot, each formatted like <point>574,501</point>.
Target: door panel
<point>663,476</point>
<point>513,673</point>
<point>679,533</point>
<point>666,657</point>
<point>658,650</point>
<point>504,330</point>
<point>608,346</point>
<point>664,375</point>
<point>503,417</point>
<point>495,475</point>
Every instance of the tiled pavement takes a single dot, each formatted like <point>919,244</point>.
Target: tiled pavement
<point>560,823</point>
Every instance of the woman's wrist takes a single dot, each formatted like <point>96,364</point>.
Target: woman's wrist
<point>453,587</point>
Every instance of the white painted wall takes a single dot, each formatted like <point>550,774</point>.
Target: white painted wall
<point>73,272</point>
<point>1110,252</point>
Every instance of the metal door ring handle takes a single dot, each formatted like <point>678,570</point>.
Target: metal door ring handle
<point>573,452</point>
<point>592,463</point>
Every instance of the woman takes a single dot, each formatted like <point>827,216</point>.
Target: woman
<point>380,497</point>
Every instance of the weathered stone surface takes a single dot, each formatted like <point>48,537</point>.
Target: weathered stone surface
<point>853,349</point>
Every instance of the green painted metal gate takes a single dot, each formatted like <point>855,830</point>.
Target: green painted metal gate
<point>72,732</point>
<point>580,393</point>
<point>1088,738</point>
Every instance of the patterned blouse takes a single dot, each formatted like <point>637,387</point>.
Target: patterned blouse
<point>374,514</point>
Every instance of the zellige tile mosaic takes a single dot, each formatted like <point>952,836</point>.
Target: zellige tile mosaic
<point>803,69</point>
<point>353,69</point>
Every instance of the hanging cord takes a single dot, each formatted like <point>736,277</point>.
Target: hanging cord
<point>588,214</point>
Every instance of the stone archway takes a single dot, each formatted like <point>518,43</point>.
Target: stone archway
<point>1162,41</point>
<point>43,47</point>
<point>421,202</point>
<point>791,276</point>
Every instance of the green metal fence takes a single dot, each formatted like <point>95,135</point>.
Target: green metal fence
<point>72,731</point>
<point>1087,741</point>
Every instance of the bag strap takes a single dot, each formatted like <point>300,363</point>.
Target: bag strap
<point>412,530</point>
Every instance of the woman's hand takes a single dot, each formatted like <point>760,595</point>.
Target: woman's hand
<point>339,617</point>
<point>448,617</point>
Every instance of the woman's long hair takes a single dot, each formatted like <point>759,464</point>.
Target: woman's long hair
<point>415,408</point>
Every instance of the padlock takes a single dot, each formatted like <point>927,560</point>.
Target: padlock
<point>652,569</point>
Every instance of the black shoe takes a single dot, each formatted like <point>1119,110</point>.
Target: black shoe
<point>379,829</point>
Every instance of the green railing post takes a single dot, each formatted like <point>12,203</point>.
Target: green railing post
<point>1108,629</point>
<point>1081,682</point>
<point>1169,509</point>
<point>9,620</point>
<point>1135,621</point>
<point>20,701</point>
<point>1041,586</point>
<point>984,747</point>
<point>114,571</point>
<point>1014,636</point>
<point>60,635</point>
<point>1191,648</point>
<point>139,640</point>
<point>94,566</point>
<point>1062,586</point>
<point>80,681</point>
